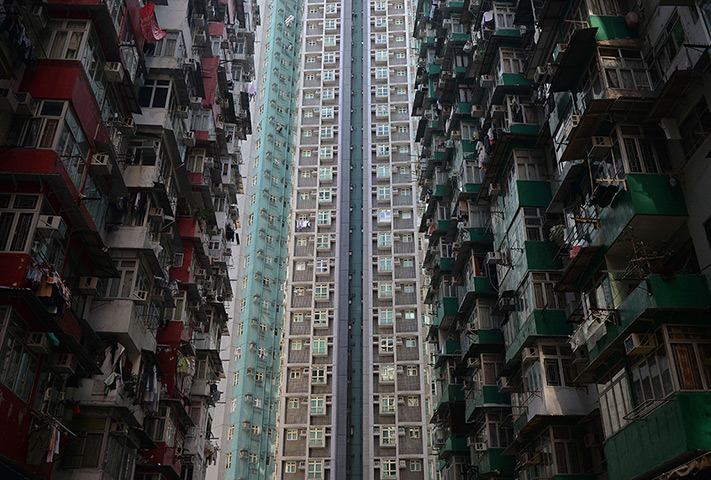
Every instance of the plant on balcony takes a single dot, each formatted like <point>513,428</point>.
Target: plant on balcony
<point>130,388</point>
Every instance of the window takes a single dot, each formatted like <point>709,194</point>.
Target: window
<point>154,93</point>
<point>323,218</point>
<point>318,405</point>
<point>233,405</point>
<point>388,434</point>
<point>329,75</point>
<point>316,436</point>
<point>387,373</point>
<point>290,467</point>
<point>17,218</point>
<point>319,346</point>
<point>408,288</point>
<point>407,238</point>
<point>324,195</point>
<point>326,132</point>
<point>387,404</point>
<point>320,318</point>
<point>318,375</point>
<point>295,373</point>
<point>385,290</point>
<point>308,114</point>
<point>385,316</point>
<point>415,465</point>
<point>322,265</point>
<point>615,402</point>
<point>385,239</point>
<point>383,193</point>
<point>326,152</point>
<point>228,460</point>
<point>235,378</point>
<point>692,128</point>
<point>326,112</point>
<point>387,344</point>
<point>384,215</point>
<point>385,264</point>
<point>388,468</point>
<point>321,290</point>
<point>381,91</point>
<point>327,94</point>
<point>412,370</point>
<point>292,434</point>
<point>296,344</point>
<point>322,241</point>
<point>410,342</point>
<point>298,318</point>
<point>18,365</point>
<point>381,55</point>
<point>381,73</point>
<point>256,429</point>
<point>293,403</point>
<point>413,432</point>
<point>382,130</point>
<point>413,401</point>
<point>315,469</point>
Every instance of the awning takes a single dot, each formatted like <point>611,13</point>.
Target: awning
<point>570,67</point>
<point>149,25</point>
<point>688,469</point>
<point>209,79</point>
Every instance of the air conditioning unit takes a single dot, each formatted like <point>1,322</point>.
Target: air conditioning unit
<point>140,296</point>
<point>471,441</point>
<point>640,344</point>
<point>572,122</point>
<point>199,38</point>
<point>156,213</point>
<point>456,135</point>
<point>100,164</point>
<point>37,342</point>
<point>530,354</point>
<point>540,74</point>
<point>559,49</point>
<point>486,80</point>
<point>189,62</point>
<point>480,447</point>
<point>8,100</point>
<point>498,111</point>
<point>495,258</point>
<point>495,190</point>
<point>599,146</point>
<point>531,458</point>
<point>506,304</point>
<point>196,102</point>
<point>403,463</point>
<point>63,363</point>
<point>25,104</point>
<point>113,71</point>
<point>89,286</point>
<point>189,139</point>
<point>181,111</point>
<point>52,225</point>
<point>37,17</point>
<point>198,20</point>
<point>200,272</point>
<point>505,385</point>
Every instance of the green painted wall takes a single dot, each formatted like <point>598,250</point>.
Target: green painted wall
<point>610,27</point>
<point>677,427</point>
<point>549,322</point>
<point>493,461</point>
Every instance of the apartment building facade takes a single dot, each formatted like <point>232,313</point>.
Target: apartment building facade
<point>121,125</point>
<point>249,431</point>
<point>354,366</point>
<point>562,171</point>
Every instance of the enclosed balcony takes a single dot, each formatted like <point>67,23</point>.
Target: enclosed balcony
<point>130,320</point>
<point>668,437</point>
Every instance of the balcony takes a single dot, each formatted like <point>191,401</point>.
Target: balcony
<point>452,393</point>
<point>672,434</point>
<point>540,322</point>
<point>485,396</point>
<point>92,392</point>
<point>445,312</point>
<point>454,445</point>
<point>493,463</point>
<point>121,319</point>
<point>531,408</point>
<point>683,298</point>
<point>649,204</point>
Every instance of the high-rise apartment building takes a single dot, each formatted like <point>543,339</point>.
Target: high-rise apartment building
<point>564,165</point>
<point>354,379</point>
<point>121,124</point>
<point>249,419</point>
